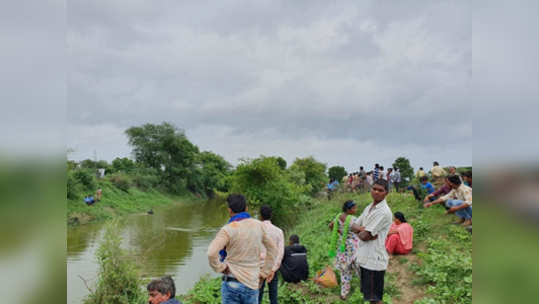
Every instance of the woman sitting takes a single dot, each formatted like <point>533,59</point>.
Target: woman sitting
<point>400,237</point>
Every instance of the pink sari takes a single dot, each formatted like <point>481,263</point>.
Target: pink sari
<point>401,242</point>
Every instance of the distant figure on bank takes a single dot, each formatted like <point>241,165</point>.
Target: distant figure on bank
<point>277,236</point>
<point>89,199</point>
<point>235,252</point>
<point>294,267</point>
<point>162,291</point>
<point>98,194</point>
<point>400,237</point>
<point>396,179</point>
<point>420,173</point>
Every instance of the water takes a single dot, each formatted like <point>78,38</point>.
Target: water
<point>173,241</point>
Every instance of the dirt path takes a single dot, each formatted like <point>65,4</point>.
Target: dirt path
<point>400,267</point>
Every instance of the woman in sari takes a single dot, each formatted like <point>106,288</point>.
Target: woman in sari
<point>400,237</point>
<point>344,244</point>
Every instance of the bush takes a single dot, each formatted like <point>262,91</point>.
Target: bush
<point>337,173</point>
<point>118,278</point>
<point>262,181</point>
<point>121,181</point>
<point>80,181</point>
<point>315,173</point>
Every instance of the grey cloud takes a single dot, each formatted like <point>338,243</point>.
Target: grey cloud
<point>365,72</point>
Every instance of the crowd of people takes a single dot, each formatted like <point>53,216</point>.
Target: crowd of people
<point>362,181</point>
<point>249,252</point>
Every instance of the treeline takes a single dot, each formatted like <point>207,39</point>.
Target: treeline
<point>165,159</point>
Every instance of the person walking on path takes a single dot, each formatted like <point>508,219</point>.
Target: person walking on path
<point>235,252</point>
<point>372,228</point>
<point>277,236</point>
<point>344,246</point>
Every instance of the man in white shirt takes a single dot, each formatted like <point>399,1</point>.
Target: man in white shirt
<point>277,235</point>
<point>372,228</point>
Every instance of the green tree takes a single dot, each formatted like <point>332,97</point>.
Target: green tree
<point>166,148</point>
<point>282,162</point>
<point>263,181</point>
<point>315,172</point>
<point>406,170</point>
<point>337,173</point>
<point>213,171</point>
<point>123,164</point>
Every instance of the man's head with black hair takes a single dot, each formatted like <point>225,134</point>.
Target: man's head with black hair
<point>423,179</point>
<point>421,168</point>
<point>454,181</point>
<point>236,203</point>
<point>161,290</point>
<point>376,165</point>
<point>294,239</point>
<point>379,190</point>
<point>361,168</point>
<point>265,212</point>
<point>435,163</point>
<point>382,168</point>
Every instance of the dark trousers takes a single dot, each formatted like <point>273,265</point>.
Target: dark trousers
<point>273,286</point>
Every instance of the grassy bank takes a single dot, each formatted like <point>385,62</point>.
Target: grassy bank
<point>439,270</point>
<point>117,202</point>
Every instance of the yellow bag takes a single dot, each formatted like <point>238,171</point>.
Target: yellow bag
<point>326,278</point>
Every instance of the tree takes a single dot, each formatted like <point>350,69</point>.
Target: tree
<point>406,170</point>
<point>315,172</point>
<point>337,173</point>
<point>282,162</point>
<point>213,170</point>
<point>123,164</point>
<point>166,149</point>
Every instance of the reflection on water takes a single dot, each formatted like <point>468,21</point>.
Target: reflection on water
<point>172,241</point>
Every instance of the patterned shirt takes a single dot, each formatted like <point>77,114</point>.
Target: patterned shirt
<point>277,236</point>
<point>243,241</point>
<point>463,193</point>
<point>372,255</point>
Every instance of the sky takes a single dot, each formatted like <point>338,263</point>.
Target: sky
<point>351,83</point>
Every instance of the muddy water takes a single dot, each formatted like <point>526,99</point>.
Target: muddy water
<point>172,241</point>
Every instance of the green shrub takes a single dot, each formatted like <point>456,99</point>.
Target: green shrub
<point>85,178</point>
<point>121,181</point>
<point>315,173</point>
<point>118,279</point>
<point>337,173</point>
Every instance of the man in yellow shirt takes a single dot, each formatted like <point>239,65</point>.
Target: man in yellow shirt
<point>438,174</point>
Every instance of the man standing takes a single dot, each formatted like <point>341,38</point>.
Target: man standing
<point>376,172</point>
<point>363,179</point>
<point>438,174</point>
<point>235,252</point>
<point>372,227</point>
<point>396,179</point>
<point>459,200</point>
<point>389,179</point>
<point>277,236</point>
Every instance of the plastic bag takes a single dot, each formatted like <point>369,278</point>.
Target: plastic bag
<point>326,277</point>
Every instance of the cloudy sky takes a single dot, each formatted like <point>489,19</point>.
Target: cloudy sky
<point>351,83</point>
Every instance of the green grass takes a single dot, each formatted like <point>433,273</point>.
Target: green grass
<point>444,250</point>
<point>116,202</point>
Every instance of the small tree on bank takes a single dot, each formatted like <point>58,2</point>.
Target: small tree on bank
<point>337,173</point>
<point>406,170</point>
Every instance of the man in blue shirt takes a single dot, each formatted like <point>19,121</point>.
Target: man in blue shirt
<point>425,184</point>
